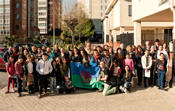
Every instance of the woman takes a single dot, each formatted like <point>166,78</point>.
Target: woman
<point>153,78</point>
<point>119,57</point>
<point>76,57</point>
<point>138,65</point>
<point>95,59</point>
<point>85,58</point>
<point>127,78</point>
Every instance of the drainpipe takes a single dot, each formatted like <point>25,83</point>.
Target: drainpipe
<point>172,54</point>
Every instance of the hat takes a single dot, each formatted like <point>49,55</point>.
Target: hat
<point>45,54</point>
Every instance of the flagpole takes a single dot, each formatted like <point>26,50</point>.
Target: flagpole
<point>53,24</point>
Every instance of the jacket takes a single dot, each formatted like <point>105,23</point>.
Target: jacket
<point>44,68</point>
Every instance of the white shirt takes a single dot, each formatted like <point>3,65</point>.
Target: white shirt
<point>44,68</point>
<point>143,60</point>
<point>30,68</point>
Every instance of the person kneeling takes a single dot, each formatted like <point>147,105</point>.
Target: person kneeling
<point>104,78</point>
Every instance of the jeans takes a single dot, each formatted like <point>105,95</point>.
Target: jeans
<point>19,84</point>
<point>161,77</point>
<point>53,83</point>
<point>108,90</point>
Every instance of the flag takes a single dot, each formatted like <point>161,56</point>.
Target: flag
<point>83,77</point>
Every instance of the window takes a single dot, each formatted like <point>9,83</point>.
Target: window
<point>17,16</point>
<point>105,1</point>
<point>101,7</point>
<point>42,19</point>
<point>107,38</point>
<point>42,8</point>
<point>105,7</point>
<point>1,54</point>
<point>130,10</point>
<point>17,27</point>
<point>17,5</point>
<point>42,13</point>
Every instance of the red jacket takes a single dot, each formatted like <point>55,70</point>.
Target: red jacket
<point>19,69</point>
<point>11,69</point>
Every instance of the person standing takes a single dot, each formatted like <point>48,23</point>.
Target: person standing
<point>44,68</point>
<point>20,74</point>
<point>161,68</point>
<point>11,73</point>
<point>146,64</point>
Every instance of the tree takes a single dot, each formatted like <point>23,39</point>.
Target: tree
<point>84,28</point>
<point>11,40</point>
<point>77,24</point>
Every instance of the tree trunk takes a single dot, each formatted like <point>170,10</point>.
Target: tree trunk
<point>73,39</point>
<point>79,37</point>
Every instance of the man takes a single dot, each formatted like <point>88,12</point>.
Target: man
<point>34,50</point>
<point>8,54</point>
<point>146,64</point>
<point>88,48</point>
<point>123,49</point>
<point>44,68</point>
<point>56,50</point>
<point>104,77</point>
<point>147,45</point>
<point>156,46</point>
<point>107,59</point>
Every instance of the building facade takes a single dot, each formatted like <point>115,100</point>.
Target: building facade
<point>118,23</point>
<point>23,18</point>
<point>4,18</point>
<point>49,15</point>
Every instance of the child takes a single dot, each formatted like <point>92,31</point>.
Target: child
<point>127,77</point>
<point>20,74</point>
<point>30,79</point>
<point>53,83</point>
<point>161,68</point>
<point>11,73</point>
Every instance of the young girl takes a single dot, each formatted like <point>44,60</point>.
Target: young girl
<point>11,73</point>
<point>30,78</point>
<point>53,84</point>
<point>128,61</point>
<point>127,77</point>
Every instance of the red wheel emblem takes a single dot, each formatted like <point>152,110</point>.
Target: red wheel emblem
<point>86,77</point>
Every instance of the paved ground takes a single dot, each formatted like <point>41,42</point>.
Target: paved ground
<point>150,99</point>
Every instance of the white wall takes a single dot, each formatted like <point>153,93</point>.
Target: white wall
<point>143,8</point>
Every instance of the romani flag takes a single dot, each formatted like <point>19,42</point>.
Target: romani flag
<point>83,77</point>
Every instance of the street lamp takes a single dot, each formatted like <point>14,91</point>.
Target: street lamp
<point>53,23</point>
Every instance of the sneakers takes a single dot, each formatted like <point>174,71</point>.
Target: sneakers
<point>6,92</point>
<point>19,95</point>
<point>13,90</point>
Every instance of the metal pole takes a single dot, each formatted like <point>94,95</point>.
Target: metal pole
<point>28,19</point>
<point>53,24</point>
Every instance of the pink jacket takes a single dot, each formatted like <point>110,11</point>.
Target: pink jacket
<point>11,69</point>
<point>130,63</point>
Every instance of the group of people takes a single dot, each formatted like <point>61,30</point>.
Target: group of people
<point>37,68</point>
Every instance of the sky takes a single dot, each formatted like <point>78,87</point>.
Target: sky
<point>67,5</point>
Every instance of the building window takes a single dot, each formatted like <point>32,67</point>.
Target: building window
<point>17,5</point>
<point>101,1</point>
<point>17,27</point>
<point>130,10</point>
<point>101,7</point>
<point>105,7</point>
<point>105,1</point>
<point>107,38</point>
<point>17,16</point>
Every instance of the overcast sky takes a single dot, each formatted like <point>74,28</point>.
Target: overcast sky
<point>67,5</point>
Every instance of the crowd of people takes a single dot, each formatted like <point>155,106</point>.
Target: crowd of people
<point>37,68</point>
